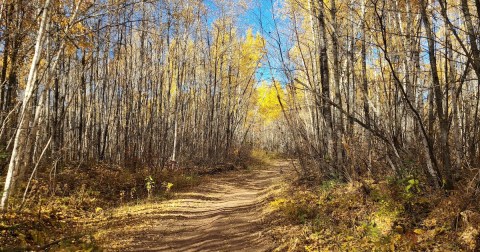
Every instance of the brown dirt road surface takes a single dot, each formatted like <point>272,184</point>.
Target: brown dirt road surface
<point>228,212</point>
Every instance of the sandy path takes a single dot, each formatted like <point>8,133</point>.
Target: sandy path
<point>226,213</point>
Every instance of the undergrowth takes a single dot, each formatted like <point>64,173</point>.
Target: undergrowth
<point>57,207</point>
<point>389,215</point>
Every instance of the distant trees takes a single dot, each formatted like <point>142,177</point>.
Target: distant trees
<point>135,83</point>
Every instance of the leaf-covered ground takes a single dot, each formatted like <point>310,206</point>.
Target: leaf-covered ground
<point>226,213</point>
<point>394,215</point>
<point>227,210</point>
<point>256,209</point>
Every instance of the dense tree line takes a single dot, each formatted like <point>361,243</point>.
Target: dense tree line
<point>381,87</point>
<point>134,83</point>
<point>356,88</point>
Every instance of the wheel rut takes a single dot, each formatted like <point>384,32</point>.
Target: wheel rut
<point>226,213</point>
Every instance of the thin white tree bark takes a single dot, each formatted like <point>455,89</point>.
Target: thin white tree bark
<point>25,112</point>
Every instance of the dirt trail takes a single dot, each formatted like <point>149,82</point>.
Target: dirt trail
<point>226,213</point>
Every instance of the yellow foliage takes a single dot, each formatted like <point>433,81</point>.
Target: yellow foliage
<point>252,50</point>
<point>268,104</point>
<point>469,237</point>
<point>278,203</point>
<point>418,231</point>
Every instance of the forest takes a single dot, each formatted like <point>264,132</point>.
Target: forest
<point>217,125</point>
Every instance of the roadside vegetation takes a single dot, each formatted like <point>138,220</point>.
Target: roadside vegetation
<point>65,217</point>
<point>367,215</point>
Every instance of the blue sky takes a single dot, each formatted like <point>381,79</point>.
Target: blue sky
<point>259,9</point>
<point>260,15</point>
<point>257,15</point>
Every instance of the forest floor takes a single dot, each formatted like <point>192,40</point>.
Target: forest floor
<point>261,207</point>
<point>228,212</point>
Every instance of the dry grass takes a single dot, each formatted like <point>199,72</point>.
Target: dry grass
<point>373,216</point>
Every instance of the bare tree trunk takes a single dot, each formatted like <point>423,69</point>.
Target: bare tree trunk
<point>366,109</point>
<point>338,130</point>
<point>443,118</point>
<point>325,83</point>
<point>26,113</point>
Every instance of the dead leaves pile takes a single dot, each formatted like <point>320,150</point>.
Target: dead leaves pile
<point>381,217</point>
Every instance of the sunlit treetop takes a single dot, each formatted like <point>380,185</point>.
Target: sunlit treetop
<point>269,108</point>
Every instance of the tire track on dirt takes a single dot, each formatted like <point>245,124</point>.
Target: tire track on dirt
<point>227,213</point>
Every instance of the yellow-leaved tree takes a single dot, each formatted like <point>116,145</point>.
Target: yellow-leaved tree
<point>269,108</point>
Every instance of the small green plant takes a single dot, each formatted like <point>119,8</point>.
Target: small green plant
<point>122,195</point>
<point>133,192</point>
<point>4,155</point>
<point>167,185</point>
<point>370,229</point>
<point>329,185</point>
<point>149,185</point>
<point>412,184</point>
